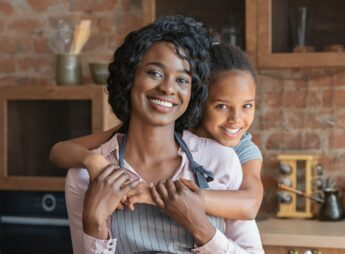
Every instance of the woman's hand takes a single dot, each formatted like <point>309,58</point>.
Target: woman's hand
<point>102,198</point>
<point>140,194</point>
<point>185,206</point>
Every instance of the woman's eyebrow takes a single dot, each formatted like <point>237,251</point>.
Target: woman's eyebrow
<point>158,64</point>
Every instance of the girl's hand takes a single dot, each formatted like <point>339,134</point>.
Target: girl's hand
<point>95,163</point>
<point>184,206</point>
<point>102,198</point>
<point>140,194</point>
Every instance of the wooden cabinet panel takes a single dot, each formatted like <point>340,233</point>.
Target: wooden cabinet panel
<point>33,118</point>
<point>285,250</point>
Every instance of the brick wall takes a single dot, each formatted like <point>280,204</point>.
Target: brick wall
<point>26,26</point>
<point>297,110</point>
<point>301,111</point>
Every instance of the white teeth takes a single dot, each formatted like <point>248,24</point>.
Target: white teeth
<point>162,103</point>
<point>233,131</point>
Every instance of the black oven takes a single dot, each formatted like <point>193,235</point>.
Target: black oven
<point>33,223</point>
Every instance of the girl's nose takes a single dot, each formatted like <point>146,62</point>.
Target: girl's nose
<point>234,115</point>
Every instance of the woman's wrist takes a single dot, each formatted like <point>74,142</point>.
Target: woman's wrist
<point>95,226</point>
<point>203,233</point>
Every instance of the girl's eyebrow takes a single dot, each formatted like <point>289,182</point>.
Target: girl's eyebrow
<point>225,100</point>
<point>160,65</point>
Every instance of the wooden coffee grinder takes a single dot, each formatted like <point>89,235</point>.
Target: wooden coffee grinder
<point>299,173</point>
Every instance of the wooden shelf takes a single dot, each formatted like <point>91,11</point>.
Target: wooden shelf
<point>33,118</point>
<point>267,58</point>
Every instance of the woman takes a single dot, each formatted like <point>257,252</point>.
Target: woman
<point>156,87</point>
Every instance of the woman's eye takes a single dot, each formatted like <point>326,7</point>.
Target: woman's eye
<point>155,74</point>
<point>182,80</point>
<point>222,107</point>
<point>247,106</point>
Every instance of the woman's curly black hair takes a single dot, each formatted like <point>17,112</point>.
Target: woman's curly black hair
<point>188,36</point>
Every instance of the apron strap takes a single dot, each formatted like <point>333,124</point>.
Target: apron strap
<point>201,174</point>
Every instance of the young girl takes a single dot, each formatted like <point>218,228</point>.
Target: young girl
<point>228,114</point>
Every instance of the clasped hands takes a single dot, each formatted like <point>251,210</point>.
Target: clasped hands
<point>113,189</point>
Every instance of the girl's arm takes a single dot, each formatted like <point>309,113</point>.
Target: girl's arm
<point>242,204</point>
<point>76,152</point>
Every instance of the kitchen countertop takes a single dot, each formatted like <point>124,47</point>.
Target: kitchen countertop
<point>302,233</point>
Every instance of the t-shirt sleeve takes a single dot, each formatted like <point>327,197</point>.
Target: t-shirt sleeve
<point>246,150</point>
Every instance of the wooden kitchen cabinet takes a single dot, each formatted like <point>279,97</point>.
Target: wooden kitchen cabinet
<point>225,17</point>
<point>301,250</point>
<point>281,235</point>
<point>279,33</point>
<point>33,118</point>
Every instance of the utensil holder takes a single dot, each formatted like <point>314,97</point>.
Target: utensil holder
<point>68,69</point>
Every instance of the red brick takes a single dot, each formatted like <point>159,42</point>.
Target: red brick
<point>339,97</point>
<point>92,6</point>
<point>25,25</point>
<point>293,141</point>
<point>312,141</point>
<point>328,97</point>
<point>295,119</point>
<point>339,79</point>
<point>270,83</point>
<point>337,139</point>
<point>7,81</point>
<point>320,119</point>
<point>7,46</point>
<point>41,45</point>
<point>6,8</point>
<point>275,141</point>
<point>41,5</point>
<point>2,26</point>
<point>256,138</point>
<point>273,99</point>
<point>314,99</point>
<point>6,65</point>
<point>295,99</point>
<point>272,119</point>
<point>292,85</point>
<point>322,82</point>
<point>340,120</point>
<point>105,24</point>
<point>96,43</point>
<point>36,64</point>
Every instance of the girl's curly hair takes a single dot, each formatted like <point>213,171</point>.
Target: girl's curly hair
<point>188,36</point>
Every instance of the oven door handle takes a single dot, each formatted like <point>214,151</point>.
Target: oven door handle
<point>33,221</point>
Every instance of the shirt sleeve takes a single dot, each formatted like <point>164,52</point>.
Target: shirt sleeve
<point>241,238</point>
<point>77,181</point>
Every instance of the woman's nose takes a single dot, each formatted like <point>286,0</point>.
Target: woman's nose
<point>167,86</point>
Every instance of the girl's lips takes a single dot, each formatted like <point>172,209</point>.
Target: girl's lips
<point>232,133</point>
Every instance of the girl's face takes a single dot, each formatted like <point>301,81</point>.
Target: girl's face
<point>230,107</point>
<point>162,86</point>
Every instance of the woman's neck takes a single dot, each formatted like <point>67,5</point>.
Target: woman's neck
<point>150,143</point>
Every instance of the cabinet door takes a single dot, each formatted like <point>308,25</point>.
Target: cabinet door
<point>33,119</point>
<point>232,21</point>
<point>295,33</point>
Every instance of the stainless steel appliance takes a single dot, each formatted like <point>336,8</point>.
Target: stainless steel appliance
<point>33,223</point>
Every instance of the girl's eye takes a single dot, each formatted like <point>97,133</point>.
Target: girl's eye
<point>155,74</point>
<point>247,106</point>
<point>222,107</point>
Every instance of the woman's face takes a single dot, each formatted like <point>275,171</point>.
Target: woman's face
<point>162,86</point>
<point>230,107</point>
